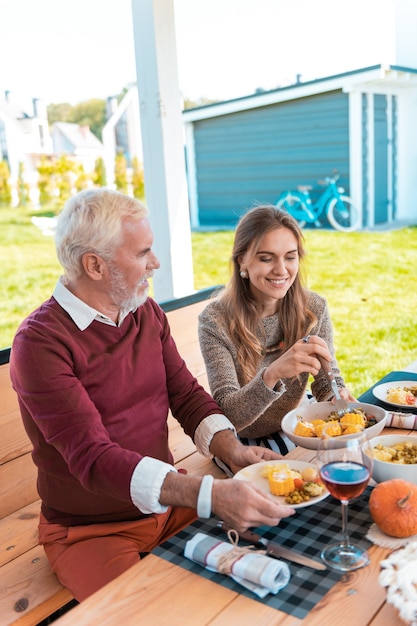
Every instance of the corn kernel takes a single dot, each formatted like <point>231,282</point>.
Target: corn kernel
<point>333,429</point>
<point>353,418</point>
<point>280,484</point>
<point>352,428</point>
<point>318,426</point>
<point>304,429</point>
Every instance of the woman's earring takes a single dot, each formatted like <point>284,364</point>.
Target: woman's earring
<point>243,274</point>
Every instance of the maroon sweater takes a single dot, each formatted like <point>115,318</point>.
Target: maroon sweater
<point>94,402</point>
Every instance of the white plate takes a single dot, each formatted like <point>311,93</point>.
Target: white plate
<point>253,474</point>
<point>380,392</point>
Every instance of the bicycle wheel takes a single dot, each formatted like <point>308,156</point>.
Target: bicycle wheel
<point>343,215</point>
<point>295,206</point>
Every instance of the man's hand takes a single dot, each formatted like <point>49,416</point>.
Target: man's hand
<point>242,505</point>
<point>231,451</point>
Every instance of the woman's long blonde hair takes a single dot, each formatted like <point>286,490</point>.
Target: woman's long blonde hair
<point>242,311</point>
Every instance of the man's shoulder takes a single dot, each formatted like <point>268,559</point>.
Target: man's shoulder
<point>47,310</point>
<point>150,308</point>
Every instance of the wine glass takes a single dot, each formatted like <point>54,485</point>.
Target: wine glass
<point>345,468</point>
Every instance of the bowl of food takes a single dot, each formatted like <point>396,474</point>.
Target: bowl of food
<point>394,456</point>
<point>304,424</point>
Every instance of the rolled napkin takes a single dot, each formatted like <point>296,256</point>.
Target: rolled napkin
<point>399,576</point>
<point>401,420</point>
<point>251,569</point>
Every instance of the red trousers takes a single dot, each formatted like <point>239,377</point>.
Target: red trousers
<point>85,558</point>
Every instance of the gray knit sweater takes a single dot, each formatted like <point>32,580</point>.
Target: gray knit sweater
<point>255,409</point>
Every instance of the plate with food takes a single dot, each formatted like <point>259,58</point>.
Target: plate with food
<point>401,393</point>
<point>292,483</point>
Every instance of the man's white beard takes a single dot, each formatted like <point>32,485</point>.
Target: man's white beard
<point>121,295</point>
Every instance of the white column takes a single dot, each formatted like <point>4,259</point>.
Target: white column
<point>355,150</point>
<point>370,122</point>
<point>192,175</point>
<point>163,145</point>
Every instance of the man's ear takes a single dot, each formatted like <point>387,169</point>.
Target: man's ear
<point>93,265</point>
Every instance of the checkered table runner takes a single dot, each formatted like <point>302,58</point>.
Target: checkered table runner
<point>308,531</point>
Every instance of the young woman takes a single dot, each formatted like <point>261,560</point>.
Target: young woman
<point>261,336</point>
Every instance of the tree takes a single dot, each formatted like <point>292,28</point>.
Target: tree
<point>99,174</point>
<point>45,171</point>
<point>5,189</point>
<point>200,102</point>
<point>120,173</point>
<point>60,112</point>
<point>64,175</point>
<point>22,187</point>
<point>82,180</point>
<point>91,113</point>
<point>138,179</point>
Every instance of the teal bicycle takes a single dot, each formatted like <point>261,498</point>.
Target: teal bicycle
<point>332,204</point>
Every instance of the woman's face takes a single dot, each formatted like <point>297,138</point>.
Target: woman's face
<point>273,268</point>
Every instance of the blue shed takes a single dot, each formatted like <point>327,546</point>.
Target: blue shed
<point>361,123</point>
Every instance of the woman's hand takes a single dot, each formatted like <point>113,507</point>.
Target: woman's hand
<point>300,358</point>
<point>346,395</point>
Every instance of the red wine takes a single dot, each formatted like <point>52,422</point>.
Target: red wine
<point>345,479</point>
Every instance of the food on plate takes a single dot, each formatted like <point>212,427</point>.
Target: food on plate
<point>403,395</point>
<point>393,507</point>
<point>403,453</point>
<point>281,483</point>
<point>294,485</point>
<point>354,421</point>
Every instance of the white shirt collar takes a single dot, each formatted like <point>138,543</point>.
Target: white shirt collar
<point>81,313</point>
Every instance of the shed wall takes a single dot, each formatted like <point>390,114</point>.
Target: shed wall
<point>251,156</point>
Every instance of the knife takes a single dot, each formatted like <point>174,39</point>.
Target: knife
<point>275,549</point>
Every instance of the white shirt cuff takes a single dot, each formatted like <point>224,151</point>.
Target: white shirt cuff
<point>206,430</point>
<point>146,484</point>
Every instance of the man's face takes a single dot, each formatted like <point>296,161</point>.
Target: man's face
<point>133,263</point>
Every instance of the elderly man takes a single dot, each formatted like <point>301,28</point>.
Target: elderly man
<point>96,371</point>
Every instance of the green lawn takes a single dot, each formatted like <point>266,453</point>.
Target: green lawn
<point>367,278</point>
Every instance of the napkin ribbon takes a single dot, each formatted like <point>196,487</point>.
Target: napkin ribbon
<point>227,560</point>
<point>250,568</point>
<point>408,421</point>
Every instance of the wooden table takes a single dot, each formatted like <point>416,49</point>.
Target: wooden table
<point>160,593</point>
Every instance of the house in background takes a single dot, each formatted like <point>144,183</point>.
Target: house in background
<point>24,137</point>
<point>78,142</point>
<point>248,150</point>
<point>361,123</point>
<point>122,132</point>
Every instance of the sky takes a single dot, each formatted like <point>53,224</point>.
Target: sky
<point>71,51</point>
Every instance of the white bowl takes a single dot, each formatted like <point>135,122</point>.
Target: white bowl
<point>321,410</point>
<point>385,470</point>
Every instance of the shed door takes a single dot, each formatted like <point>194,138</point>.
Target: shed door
<point>381,159</point>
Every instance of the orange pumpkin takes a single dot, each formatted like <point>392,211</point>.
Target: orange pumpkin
<point>393,507</point>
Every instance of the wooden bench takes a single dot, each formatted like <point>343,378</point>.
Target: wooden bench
<point>29,591</point>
